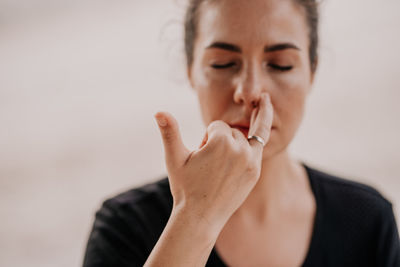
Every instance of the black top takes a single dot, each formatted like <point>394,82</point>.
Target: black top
<point>354,226</point>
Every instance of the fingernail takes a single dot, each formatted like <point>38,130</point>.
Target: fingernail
<point>161,121</point>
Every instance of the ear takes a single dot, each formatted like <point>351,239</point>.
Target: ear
<point>314,71</point>
<point>189,76</point>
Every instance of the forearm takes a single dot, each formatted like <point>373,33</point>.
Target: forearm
<point>185,241</point>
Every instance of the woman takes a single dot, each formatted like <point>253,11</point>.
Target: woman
<point>240,199</point>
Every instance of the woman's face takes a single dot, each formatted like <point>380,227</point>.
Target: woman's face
<point>244,48</point>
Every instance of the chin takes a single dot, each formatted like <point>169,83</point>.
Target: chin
<point>273,147</point>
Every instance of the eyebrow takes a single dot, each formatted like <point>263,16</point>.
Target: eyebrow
<point>235,48</point>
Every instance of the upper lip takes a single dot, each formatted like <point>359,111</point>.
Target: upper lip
<point>240,124</point>
<point>243,125</point>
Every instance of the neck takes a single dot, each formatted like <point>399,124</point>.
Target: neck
<point>280,180</point>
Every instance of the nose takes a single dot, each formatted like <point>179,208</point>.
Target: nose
<point>248,88</point>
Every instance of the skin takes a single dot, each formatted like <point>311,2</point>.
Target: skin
<point>227,93</point>
<point>268,221</point>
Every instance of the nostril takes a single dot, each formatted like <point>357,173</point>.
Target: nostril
<point>254,104</point>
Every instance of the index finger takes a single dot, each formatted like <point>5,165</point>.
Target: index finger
<point>261,120</point>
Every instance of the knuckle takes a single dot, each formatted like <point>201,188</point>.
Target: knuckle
<point>215,124</point>
<point>236,130</point>
<point>221,137</point>
<point>252,168</point>
<point>237,133</point>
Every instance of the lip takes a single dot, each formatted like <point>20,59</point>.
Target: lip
<point>241,123</point>
<point>245,129</point>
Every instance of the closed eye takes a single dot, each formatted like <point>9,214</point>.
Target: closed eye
<point>224,66</point>
<point>279,67</point>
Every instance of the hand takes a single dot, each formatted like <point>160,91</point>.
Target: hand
<point>213,181</point>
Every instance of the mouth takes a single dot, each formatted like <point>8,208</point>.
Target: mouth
<point>245,130</point>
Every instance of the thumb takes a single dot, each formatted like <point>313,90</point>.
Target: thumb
<point>175,151</point>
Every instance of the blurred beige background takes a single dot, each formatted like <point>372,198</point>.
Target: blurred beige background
<point>81,80</point>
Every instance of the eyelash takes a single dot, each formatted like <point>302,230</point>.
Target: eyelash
<point>225,66</point>
<point>280,68</point>
<point>274,66</point>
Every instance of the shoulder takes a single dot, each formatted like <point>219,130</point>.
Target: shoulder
<point>145,200</point>
<point>355,217</point>
<point>128,225</point>
<point>347,204</point>
<point>343,190</point>
<point>155,189</point>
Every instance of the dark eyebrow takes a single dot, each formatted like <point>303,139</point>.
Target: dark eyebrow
<point>225,46</point>
<point>235,48</point>
<point>278,47</point>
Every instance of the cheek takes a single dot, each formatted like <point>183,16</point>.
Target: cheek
<point>214,101</point>
<point>290,99</point>
<point>212,94</point>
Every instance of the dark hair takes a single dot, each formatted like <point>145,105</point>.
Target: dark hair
<point>312,17</point>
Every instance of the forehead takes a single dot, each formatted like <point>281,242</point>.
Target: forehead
<point>249,23</point>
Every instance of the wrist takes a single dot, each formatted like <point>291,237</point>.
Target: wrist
<point>198,222</point>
